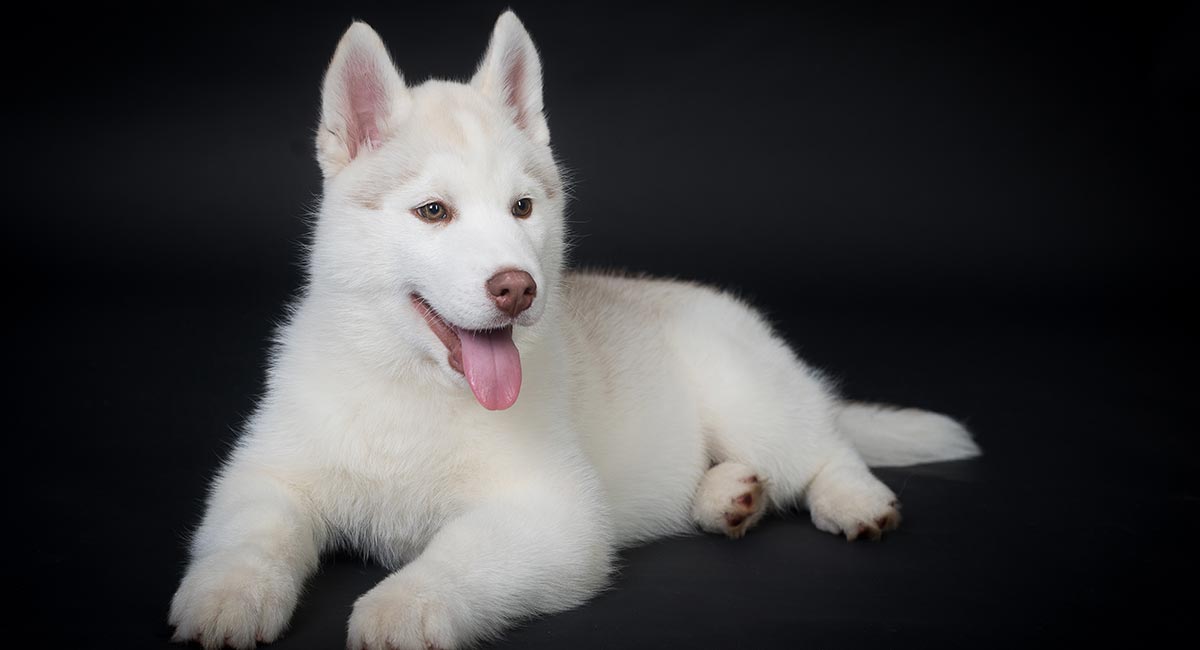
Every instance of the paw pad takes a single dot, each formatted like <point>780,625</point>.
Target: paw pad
<point>730,499</point>
<point>745,509</point>
<point>874,530</point>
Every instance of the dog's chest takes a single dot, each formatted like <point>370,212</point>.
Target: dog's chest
<point>392,476</point>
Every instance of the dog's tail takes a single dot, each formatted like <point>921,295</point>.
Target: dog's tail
<point>887,436</point>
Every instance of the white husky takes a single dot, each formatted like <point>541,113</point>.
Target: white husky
<point>392,422</point>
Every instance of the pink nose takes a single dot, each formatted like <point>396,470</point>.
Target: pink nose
<point>513,291</point>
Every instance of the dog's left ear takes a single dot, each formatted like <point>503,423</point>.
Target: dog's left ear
<point>512,73</point>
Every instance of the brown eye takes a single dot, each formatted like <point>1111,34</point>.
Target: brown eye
<point>522,208</point>
<point>433,212</point>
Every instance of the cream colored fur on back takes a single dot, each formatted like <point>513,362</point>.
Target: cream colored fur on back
<point>648,407</point>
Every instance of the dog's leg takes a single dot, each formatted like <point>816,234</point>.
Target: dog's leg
<point>791,444</point>
<point>844,498</point>
<point>828,476</point>
<point>730,500</point>
<point>257,544</point>
<point>496,564</point>
<point>814,465</point>
<point>765,410</point>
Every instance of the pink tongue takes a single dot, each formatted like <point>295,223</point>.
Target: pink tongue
<point>492,365</point>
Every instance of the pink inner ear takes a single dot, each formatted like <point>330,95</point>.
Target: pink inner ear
<point>514,86</point>
<point>368,102</point>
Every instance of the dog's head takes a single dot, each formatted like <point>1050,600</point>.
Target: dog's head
<point>442,214</point>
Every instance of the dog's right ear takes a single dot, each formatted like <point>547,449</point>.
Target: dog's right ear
<point>364,97</point>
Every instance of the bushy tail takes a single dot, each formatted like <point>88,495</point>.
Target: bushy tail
<point>888,436</point>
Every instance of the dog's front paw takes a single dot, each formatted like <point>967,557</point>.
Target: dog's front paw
<point>397,615</point>
<point>234,602</point>
<point>859,507</point>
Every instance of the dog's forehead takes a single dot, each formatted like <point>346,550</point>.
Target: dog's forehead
<point>455,125</point>
<point>458,117</point>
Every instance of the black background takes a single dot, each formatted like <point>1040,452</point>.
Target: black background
<point>972,208</point>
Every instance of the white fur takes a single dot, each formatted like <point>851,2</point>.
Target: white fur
<point>633,389</point>
<point>887,437</point>
<point>729,500</point>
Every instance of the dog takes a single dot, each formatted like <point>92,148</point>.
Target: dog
<point>448,399</point>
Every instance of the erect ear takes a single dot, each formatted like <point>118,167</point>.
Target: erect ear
<point>511,73</point>
<point>363,99</point>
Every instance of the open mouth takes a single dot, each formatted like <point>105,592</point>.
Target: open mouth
<point>487,358</point>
